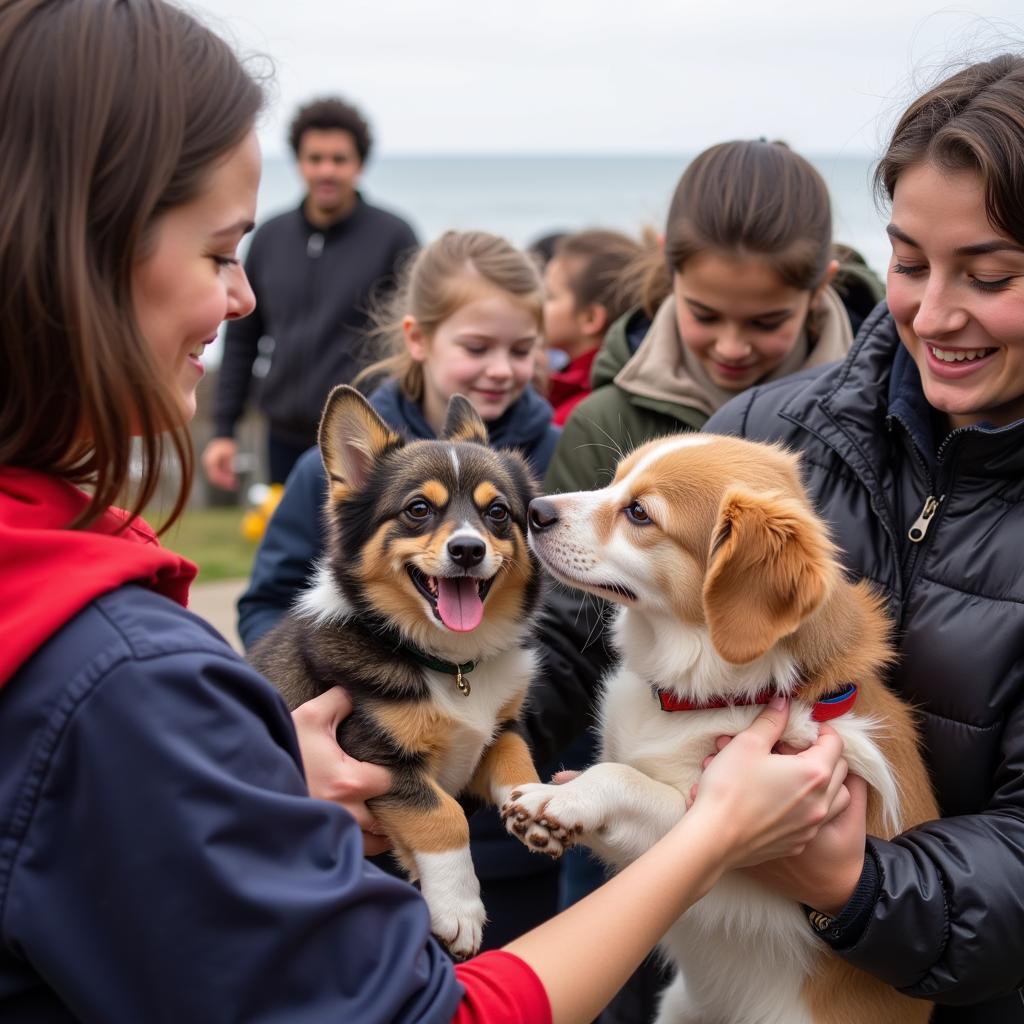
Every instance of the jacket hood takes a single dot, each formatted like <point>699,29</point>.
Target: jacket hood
<point>50,573</point>
<point>620,343</point>
<point>523,425</point>
<point>665,370</point>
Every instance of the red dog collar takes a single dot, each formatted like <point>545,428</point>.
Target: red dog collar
<point>831,706</point>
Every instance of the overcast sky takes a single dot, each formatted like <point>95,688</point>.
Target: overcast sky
<point>629,76</point>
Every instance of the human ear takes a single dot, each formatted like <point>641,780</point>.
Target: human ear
<point>415,339</point>
<point>594,320</point>
<point>830,275</point>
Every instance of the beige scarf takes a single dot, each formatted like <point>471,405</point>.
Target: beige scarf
<point>665,369</point>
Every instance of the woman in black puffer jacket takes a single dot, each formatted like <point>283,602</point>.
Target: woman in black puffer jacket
<point>913,449</point>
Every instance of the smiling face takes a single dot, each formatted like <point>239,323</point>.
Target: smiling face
<point>429,535</point>
<point>955,288</point>
<point>486,350</point>
<point>190,279</point>
<point>737,316</point>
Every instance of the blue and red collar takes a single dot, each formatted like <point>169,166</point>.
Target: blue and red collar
<point>831,706</point>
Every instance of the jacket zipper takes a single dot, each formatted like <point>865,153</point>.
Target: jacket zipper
<point>920,525</point>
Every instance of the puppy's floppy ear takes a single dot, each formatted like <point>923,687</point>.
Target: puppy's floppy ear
<point>352,437</point>
<point>462,422</point>
<point>771,564</point>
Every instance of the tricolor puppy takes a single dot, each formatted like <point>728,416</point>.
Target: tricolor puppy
<point>730,590</point>
<point>421,609</point>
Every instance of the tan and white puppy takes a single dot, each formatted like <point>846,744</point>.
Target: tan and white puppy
<point>729,590</point>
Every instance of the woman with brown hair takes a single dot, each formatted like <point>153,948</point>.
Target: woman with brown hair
<point>913,449</point>
<point>160,855</point>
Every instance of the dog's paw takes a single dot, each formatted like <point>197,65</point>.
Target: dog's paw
<point>459,924</point>
<point>543,817</point>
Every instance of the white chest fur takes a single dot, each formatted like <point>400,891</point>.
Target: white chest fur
<point>494,684</point>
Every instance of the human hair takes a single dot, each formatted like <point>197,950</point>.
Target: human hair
<point>971,121</point>
<point>112,112</point>
<point>597,264</point>
<point>542,249</point>
<point>747,198</point>
<point>441,278</point>
<point>331,113</point>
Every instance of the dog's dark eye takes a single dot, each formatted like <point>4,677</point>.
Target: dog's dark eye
<point>636,513</point>
<point>498,513</point>
<point>418,510</point>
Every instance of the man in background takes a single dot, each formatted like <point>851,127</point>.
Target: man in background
<point>315,272</point>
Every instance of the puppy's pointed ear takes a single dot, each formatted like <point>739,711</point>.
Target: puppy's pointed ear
<point>771,564</point>
<point>462,422</point>
<point>352,437</point>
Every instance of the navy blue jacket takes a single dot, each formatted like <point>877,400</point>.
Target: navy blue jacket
<point>134,745</point>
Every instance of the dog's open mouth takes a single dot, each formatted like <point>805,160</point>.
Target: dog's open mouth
<point>457,601</point>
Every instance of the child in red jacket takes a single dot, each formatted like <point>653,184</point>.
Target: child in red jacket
<point>588,284</point>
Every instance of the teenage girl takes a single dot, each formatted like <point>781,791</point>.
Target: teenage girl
<point>741,293</point>
<point>586,289</point>
<point>160,856</point>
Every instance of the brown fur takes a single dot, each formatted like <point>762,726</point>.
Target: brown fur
<point>734,545</point>
<point>772,578</point>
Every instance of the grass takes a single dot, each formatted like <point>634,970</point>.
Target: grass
<point>211,538</point>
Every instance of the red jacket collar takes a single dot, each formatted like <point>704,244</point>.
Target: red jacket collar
<point>568,387</point>
<point>50,573</point>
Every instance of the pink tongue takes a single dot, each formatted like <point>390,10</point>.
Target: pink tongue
<point>459,604</point>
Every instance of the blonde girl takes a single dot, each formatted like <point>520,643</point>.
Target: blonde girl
<point>467,320</point>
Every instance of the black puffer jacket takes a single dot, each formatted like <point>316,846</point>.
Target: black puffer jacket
<point>948,922</point>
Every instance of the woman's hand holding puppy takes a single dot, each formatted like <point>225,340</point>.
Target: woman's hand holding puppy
<point>769,805</point>
<point>330,773</point>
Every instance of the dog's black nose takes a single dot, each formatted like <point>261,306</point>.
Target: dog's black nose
<point>466,551</point>
<point>543,514</point>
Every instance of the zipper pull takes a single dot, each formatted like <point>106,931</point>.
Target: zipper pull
<point>920,525</point>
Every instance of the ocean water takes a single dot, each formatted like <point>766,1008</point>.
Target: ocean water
<point>524,197</point>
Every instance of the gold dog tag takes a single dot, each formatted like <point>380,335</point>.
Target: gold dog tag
<point>461,682</point>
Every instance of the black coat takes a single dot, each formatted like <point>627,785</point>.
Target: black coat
<point>314,288</point>
<point>948,923</point>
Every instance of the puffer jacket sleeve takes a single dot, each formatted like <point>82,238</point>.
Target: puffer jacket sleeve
<point>947,922</point>
<point>171,866</point>
<point>293,540</point>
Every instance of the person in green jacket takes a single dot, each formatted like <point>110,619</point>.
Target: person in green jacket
<point>747,288</point>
